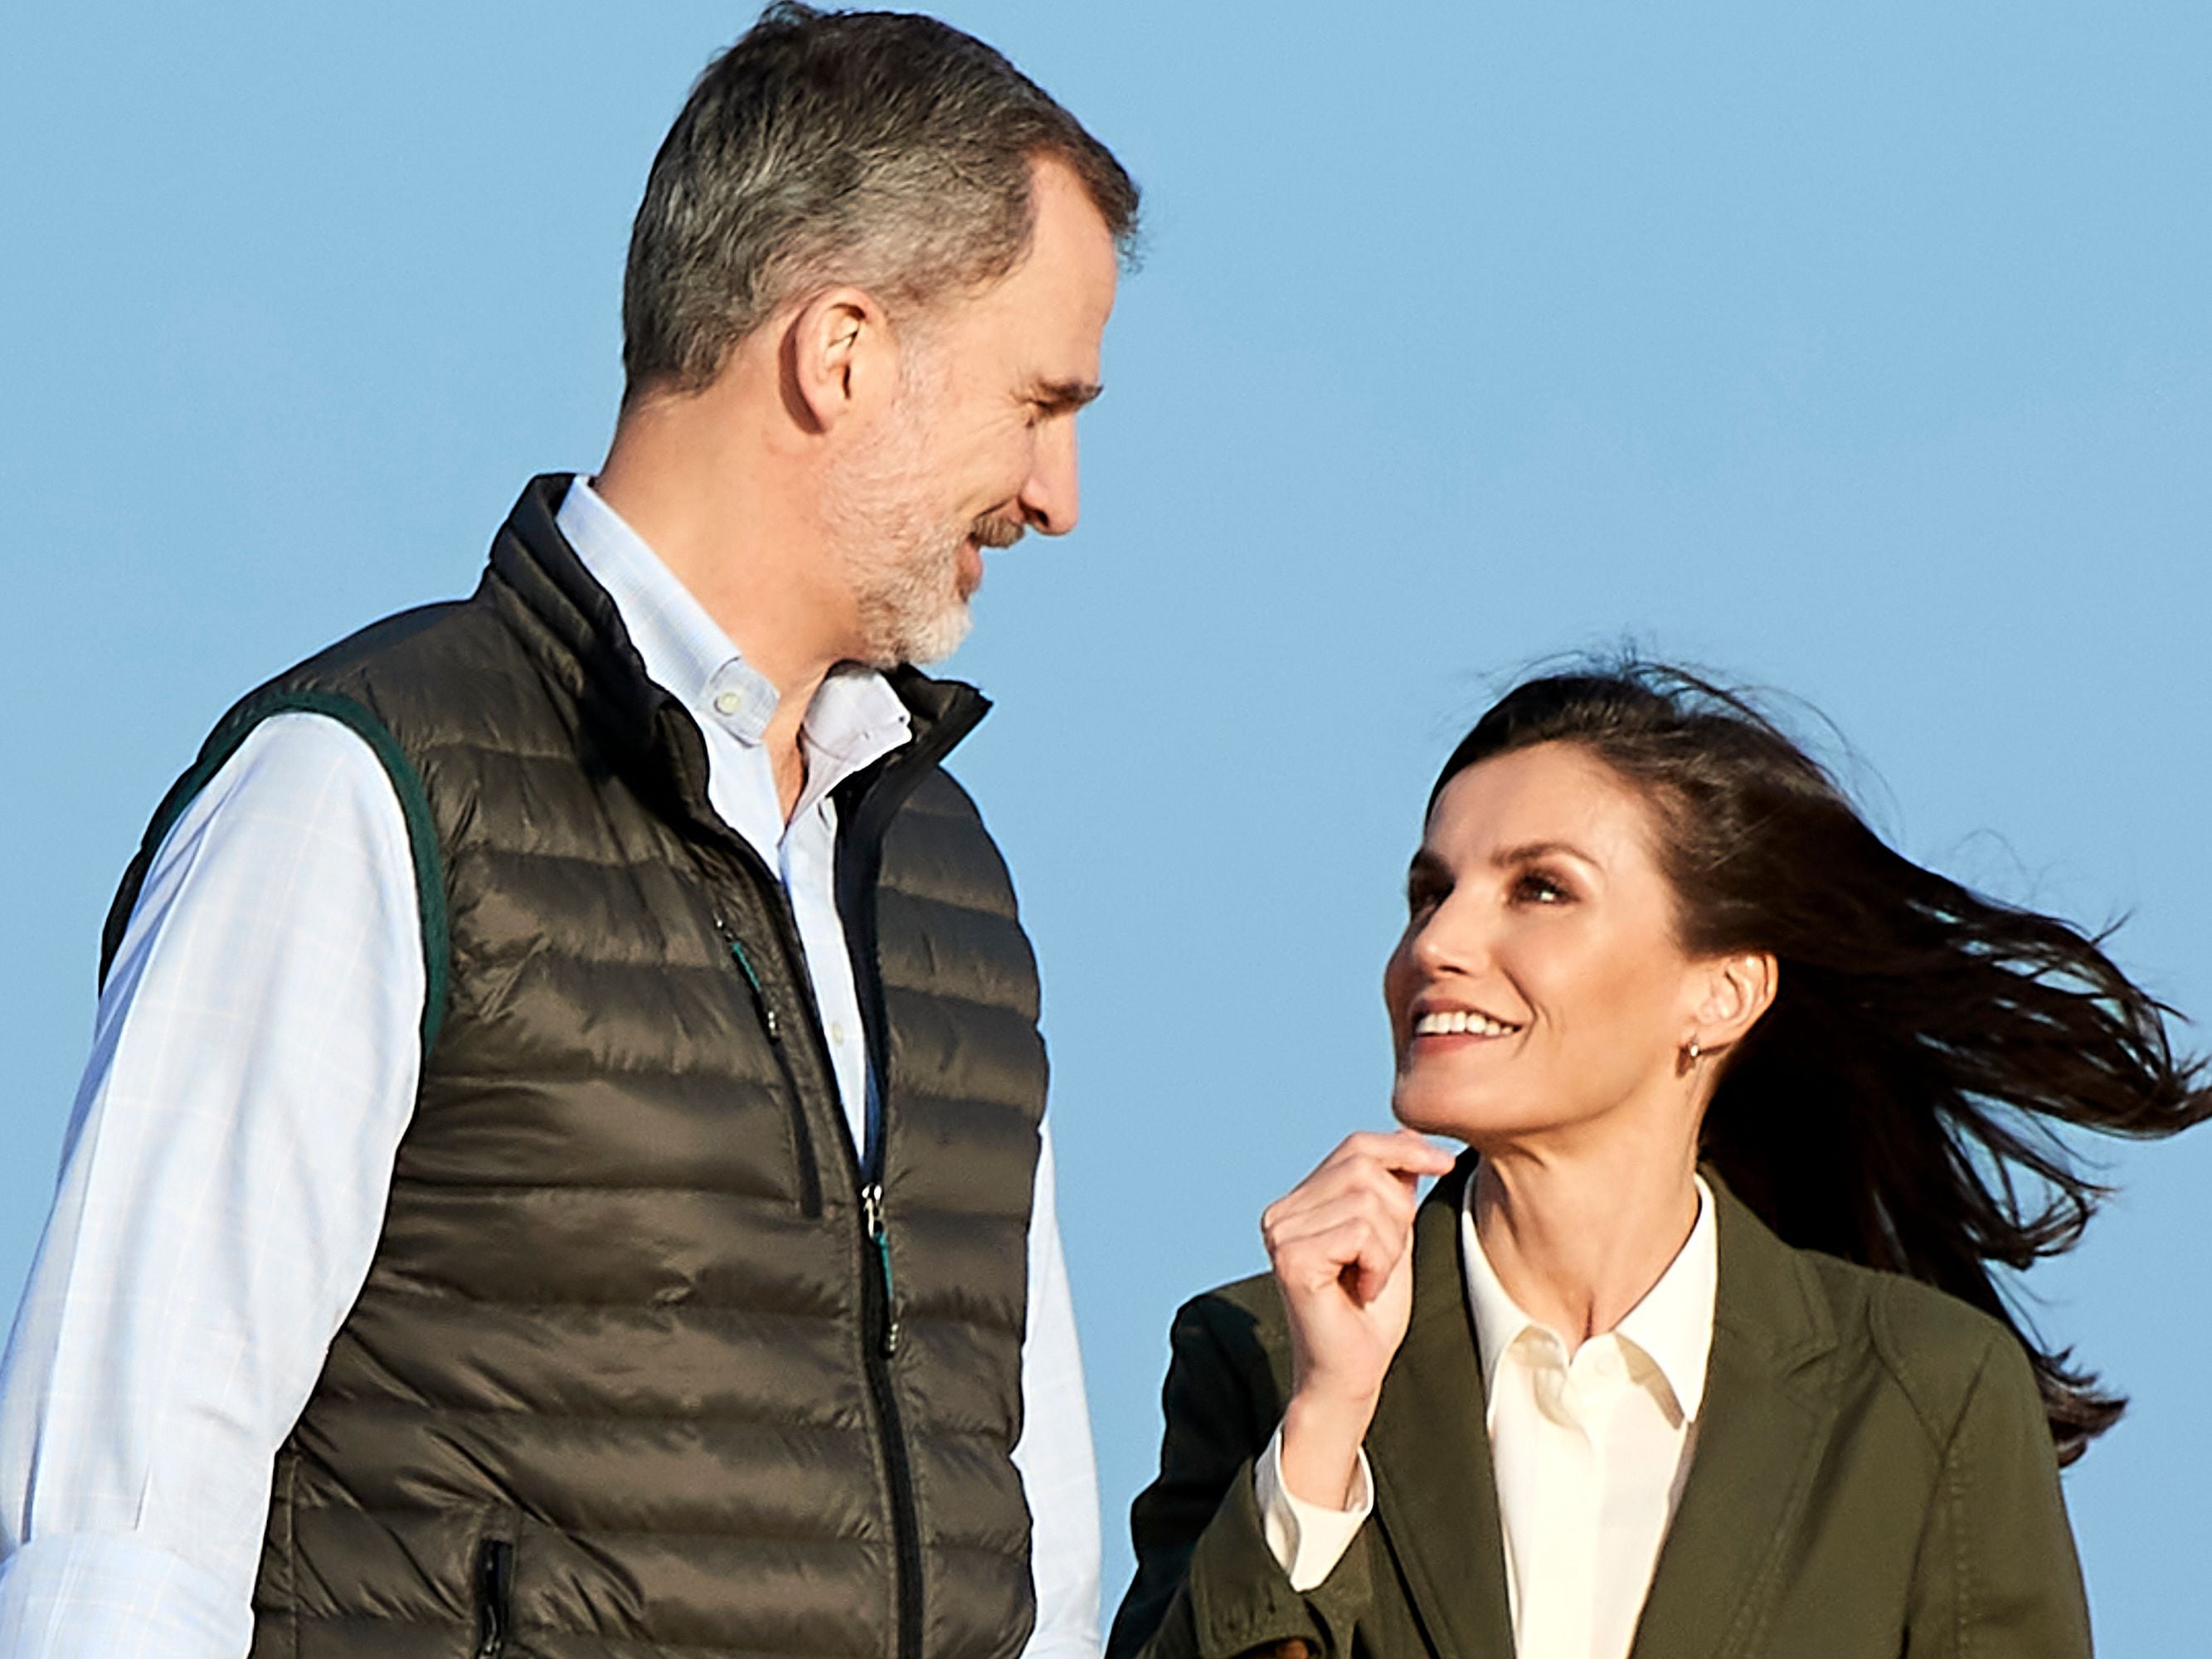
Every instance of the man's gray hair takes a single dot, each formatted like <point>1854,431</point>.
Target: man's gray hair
<point>879,148</point>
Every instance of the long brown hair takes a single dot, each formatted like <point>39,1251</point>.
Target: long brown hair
<point>1901,1103</point>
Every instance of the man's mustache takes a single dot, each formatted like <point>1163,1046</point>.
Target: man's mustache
<point>993,531</point>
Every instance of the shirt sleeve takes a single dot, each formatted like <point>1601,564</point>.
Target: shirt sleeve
<point>1308,1540</point>
<point>1059,1474</point>
<point>223,1182</point>
<point>1207,1582</point>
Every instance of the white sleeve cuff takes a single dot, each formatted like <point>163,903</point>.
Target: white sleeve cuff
<point>94,1595</point>
<point>1308,1540</point>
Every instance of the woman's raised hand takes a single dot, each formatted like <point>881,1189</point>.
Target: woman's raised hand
<point>1341,1245</point>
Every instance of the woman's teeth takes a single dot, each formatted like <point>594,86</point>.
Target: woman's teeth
<point>1454,1022</point>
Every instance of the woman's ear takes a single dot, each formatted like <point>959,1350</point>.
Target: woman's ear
<point>840,360</point>
<point>1738,989</point>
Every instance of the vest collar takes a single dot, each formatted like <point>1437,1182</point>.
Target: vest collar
<point>574,628</point>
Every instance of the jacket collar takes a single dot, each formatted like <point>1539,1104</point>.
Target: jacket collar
<point>1767,1414</point>
<point>575,631</point>
<point>1436,1498</point>
<point>1770,1409</point>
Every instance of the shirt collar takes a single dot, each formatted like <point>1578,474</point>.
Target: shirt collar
<point>855,718</point>
<point>1672,1325</point>
<point>1674,1322</point>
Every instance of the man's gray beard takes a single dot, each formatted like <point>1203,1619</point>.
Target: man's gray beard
<point>904,570</point>
<point>909,604</point>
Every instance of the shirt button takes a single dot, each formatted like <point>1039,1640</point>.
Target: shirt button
<point>837,1032</point>
<point>728,703</point>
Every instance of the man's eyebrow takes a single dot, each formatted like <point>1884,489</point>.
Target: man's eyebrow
<point>1064,396</point>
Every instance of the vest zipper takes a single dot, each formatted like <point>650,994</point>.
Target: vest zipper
<point>494,1589</point>
<point>906,1523</point>
<point>858,851</point>
<point>802,1138</point>
<point>866,810</point>
<point>879,1338</point>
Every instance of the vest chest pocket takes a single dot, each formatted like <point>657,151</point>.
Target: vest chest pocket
<point>802,1137</point>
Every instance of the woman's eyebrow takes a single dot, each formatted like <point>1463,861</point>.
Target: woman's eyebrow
<point>1530,852</point>
<point>1427,864</point>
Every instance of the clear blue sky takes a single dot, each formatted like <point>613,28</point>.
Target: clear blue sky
<point>1864,351</point>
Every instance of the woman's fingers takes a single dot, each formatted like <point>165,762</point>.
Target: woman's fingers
<point>1400,1151</point>
<point>1300,1229</point>
<point>1354,1256</point>
<point>1382,1166</point>
<point>1348,1223</point>
<point>1340,1242</point>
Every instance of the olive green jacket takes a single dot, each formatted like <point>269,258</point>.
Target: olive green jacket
<point>1873,1478</point>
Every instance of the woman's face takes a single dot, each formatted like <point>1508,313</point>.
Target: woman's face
<point>1539,989</point>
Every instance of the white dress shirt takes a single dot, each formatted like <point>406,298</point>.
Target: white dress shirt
<point>226,1166</point>
<point>1589,1446</point>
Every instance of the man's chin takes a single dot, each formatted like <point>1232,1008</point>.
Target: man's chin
<point>942,636</point>
<point>920,641</point>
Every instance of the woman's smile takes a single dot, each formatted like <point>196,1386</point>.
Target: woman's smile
<point>1461,1023</point>
<point>1441,1028</point>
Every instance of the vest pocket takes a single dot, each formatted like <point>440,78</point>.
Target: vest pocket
<point>495,1596</point>
<point>802,1138</point>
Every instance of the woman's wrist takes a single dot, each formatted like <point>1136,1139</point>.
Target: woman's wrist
<point>1322,1435</point>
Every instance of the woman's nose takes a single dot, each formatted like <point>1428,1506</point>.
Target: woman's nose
<point>1450,938</point>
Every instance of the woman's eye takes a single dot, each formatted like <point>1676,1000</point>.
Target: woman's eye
<point>1537,888</point>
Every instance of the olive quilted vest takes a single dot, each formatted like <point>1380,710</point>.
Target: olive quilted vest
<point>645,1364</point>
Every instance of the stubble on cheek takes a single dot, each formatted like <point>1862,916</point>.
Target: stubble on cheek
<point>901,561</point>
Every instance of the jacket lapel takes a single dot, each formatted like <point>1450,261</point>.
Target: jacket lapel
<point>1769,1409</point>
<point>1435,1501</point>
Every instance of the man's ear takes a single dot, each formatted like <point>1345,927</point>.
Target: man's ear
<point>1738,990</point>
<point>840,360</point>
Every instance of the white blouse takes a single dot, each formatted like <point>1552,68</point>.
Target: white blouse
<point>1589,1447</point>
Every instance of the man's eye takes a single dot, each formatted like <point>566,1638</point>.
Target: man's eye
<point>1422,896</point>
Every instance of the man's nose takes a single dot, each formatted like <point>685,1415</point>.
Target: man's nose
<point>1051,496</point>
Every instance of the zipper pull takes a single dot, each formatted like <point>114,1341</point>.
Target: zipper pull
<point>871,1208</point>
